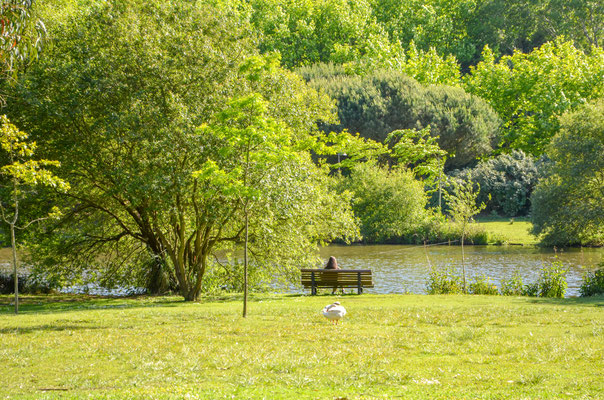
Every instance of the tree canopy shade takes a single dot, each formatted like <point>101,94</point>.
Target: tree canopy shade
<point>123,117</point>
<point>384,101</point>
<point>567,204</point>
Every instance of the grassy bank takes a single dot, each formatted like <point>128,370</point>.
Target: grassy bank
<point>388,346</point>
<point>508,230</point>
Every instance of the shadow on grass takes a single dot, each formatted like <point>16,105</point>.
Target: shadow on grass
<point>595,301</point>
<point>47,328</point>
<point>56,303</point>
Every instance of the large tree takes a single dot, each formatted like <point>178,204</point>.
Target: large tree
<point>385,101</point>
<point>530,91</point>
<point>567,204</point>
<point>124,116</point>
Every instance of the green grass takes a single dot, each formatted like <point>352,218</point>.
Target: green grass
<point>508,230</point>
<point>389,346</point>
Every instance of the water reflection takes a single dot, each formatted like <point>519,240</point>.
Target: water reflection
<point>400,269</point>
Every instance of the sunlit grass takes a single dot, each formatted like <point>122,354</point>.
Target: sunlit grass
<point>508,230</point>
<point>388,346</point>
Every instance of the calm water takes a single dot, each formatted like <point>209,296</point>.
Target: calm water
<point>400,268</point>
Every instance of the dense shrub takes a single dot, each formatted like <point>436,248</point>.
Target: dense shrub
<point>436,229</point>
<point>551,282</point>
<point>483,285</point>
<point>593,282</point>
<point>381,102</point>
<point>389,203</point>
<point>444,281</point>
<point>509,179</point>
<point>512,286</point>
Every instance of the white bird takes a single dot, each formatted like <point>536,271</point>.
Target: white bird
<point>334,312</point>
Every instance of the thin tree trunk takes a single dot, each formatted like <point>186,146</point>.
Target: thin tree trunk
<point>16,277</point>
<point>463,259</point>
<point>245,267</point>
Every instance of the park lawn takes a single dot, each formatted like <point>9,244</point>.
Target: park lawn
<point>508,230</point>
<point>389,346</point>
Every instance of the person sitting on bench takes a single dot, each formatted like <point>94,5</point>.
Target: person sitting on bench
<point>332,263</point>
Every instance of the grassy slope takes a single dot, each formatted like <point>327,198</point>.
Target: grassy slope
<point>389,346</point>
<point>516,232</point>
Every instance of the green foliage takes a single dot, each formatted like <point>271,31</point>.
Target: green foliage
<point>316,31</point>
<point>567,204</point>
<point>154,192</point>
<point>593,282</point>
<point>382,102</point>
<point>509,179</point>
<point>436,229</point>
<point>530,91</point>
<point>443,281</point>
<point>483,285</point>
<point>513,286</point>
<point>419,151</point>
<point>462,201</point>
<point>552,280</point>
<point>389,203</point>
<point>20,37</point>
<point>440,24</point>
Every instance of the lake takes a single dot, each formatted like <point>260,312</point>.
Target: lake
<point>405,268</point>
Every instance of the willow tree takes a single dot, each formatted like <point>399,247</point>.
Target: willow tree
<point>124,116</point>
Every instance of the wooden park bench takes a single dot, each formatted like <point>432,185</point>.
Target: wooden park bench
<point>331,278</point>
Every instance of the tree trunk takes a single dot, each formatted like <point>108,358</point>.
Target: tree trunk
<point>245,268</point>
<point>158,278</point>
<point>463,259</point>
<point>16,277</point>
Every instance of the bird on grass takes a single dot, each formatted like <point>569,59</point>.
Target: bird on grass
<point>334,312</point>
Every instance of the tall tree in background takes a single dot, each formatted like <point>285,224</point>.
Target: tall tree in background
<point>530,91</point>
<point>567,207</point>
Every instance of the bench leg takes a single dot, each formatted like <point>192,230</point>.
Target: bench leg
<point>359,287</point>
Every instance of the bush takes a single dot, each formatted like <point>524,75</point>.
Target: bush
<point>444,281</point>
<point>436,229</point>
<point>593,282</point>
<point>513,286</point>
<point>483,285</point>
<point>389,203</point>
<point>509,179</point>
<point>552,282</point>
<point>381,102</point>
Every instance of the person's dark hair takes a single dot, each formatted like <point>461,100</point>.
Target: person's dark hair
<point>332,263</point>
